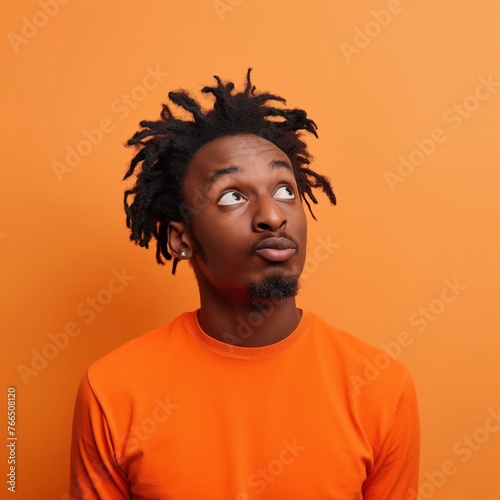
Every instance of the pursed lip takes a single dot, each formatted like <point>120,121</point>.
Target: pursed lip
<point>279,243</point>
<point>276,249</point>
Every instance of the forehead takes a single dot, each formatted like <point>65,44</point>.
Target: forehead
<point>242,151</point>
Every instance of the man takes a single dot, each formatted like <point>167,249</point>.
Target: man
<point>249,396</point>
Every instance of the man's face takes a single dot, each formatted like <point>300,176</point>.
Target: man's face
<point>248,224</point>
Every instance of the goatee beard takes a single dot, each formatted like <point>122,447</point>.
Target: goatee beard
<point>274,287</point>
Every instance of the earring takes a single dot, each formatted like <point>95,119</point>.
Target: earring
<point>183,254</point>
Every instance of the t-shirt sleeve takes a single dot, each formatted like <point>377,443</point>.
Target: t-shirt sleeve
<point>396,466</point>
<point>94,471</point>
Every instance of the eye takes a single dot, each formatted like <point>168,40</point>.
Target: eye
<point>231,198</point>
<point>284,193</point>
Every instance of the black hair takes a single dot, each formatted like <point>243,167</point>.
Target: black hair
<point>167,145</point>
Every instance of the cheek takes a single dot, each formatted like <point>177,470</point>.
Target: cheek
<point>299,231</point>
<point>219,241</point>
<point>301,225</point>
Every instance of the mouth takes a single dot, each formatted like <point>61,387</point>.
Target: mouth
<point>276,249</point>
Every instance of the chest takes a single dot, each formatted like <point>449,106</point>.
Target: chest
<point>246,435</point>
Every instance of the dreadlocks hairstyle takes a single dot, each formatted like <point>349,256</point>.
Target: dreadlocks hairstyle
<point>166,146</point>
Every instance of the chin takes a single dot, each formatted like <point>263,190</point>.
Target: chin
<point>278,286</point>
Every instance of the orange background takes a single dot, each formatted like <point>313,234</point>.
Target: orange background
<point>63,237</point>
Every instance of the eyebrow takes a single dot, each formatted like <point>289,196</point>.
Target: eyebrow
<point>221,172</point>
<point>236,170</point>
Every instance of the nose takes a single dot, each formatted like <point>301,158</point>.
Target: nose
<point>268,216</point>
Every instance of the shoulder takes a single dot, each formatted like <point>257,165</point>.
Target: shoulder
<point>378,389</point>
<point>365,369</point>
<point>136,359</point>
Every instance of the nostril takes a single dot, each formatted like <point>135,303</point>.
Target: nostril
<point>264,226</point>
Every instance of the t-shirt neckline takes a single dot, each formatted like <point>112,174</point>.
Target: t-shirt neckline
<point>247,352</point>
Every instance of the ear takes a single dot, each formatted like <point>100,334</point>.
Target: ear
<point>179,240</point>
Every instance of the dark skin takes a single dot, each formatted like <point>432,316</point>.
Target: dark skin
<point>247,224</point>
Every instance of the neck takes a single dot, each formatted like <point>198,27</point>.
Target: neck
<point>251,323</point>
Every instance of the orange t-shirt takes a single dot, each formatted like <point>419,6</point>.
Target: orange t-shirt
<point>176,414</point>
